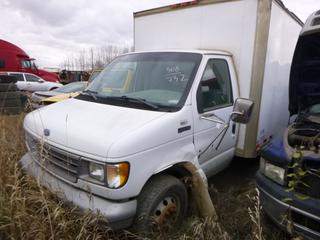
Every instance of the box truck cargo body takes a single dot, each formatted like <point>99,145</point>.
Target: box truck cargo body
<point>133,134</point>
<point>260,36</point>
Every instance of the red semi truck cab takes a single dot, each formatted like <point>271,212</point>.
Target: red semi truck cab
<point>14,59</point>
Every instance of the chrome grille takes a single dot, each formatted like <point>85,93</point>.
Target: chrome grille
<point>55,160</point>
<point>60,162</point>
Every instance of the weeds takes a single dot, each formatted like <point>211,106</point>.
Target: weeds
<point>255,216</point>
<point>29,211</point>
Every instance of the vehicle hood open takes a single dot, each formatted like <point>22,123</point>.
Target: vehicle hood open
<point>304,89</point>
<point>87,127</point>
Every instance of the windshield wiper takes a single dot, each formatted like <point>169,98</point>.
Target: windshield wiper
<point>137,100</point>
<point>91,93</point>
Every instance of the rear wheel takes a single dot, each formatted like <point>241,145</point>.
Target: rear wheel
<point>11,110</point>
<point>8,87</point>
<point>10,103</point>
<point>162,204</point>
<point>9,95</point>
<point>8,79</point>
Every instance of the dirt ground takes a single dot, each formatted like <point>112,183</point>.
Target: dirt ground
<point>240,173</point>
<point>232,191</point>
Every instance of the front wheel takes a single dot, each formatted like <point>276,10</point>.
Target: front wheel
<point>162,204</point>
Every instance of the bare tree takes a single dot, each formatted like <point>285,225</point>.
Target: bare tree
<point>93,58</point>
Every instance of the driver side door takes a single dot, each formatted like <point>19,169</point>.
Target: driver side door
<point>214,104</point>
<point>34,83</point>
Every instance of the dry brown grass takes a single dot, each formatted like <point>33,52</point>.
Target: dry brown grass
<point>29,211</point>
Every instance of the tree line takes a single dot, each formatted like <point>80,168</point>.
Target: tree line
<point>93,58</point>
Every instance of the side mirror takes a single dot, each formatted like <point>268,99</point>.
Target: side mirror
<point>242,110</point>
<point>40,81</point>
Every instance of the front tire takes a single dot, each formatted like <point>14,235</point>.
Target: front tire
<point>161,205</point>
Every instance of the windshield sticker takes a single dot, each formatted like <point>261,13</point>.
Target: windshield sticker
<point>174,74</point>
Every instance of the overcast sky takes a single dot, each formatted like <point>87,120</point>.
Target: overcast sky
<point>51,30</point>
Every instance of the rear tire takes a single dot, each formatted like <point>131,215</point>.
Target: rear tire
<point>9,95</point>
<point>162,204</point>
<point>10,103</point>
<point>8,87</point>
<point>11,110</point>
<point>8,79</point>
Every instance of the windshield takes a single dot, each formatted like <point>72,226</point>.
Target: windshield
<point>25,64</point>
<point>159,78</point>
<point>72,87</point>
<point>28,63</point>
<point>33,64</point>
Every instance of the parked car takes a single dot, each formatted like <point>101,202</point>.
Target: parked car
<point>121,146</point>
<point>289,176</point>
<point>71,88</point>
<point>30,82</point>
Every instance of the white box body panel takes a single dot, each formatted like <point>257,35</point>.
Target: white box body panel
<point>228,26</point>
<point>231,26</point>
<point>283,36</point>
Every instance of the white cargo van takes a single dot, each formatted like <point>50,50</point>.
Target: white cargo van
<point>120,147</point>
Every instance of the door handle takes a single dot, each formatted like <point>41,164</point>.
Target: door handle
<point>212,118</point>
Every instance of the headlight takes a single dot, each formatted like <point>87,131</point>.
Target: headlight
<point>117,174</point>
<point>96,171</point>
<point>113,175</point>
<point>273,172</point>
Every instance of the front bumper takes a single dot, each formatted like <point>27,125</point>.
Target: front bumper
<point>118,214</point>
<point>305,214</point>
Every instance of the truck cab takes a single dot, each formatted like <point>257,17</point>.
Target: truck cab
<point>14,59</point>
<point>289,177</point>
<point>175,103</point>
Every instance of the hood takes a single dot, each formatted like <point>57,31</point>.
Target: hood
<point>86,127</point>
<point>304,89</point>
<point>48,76</point>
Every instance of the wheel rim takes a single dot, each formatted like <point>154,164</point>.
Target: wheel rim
<point>167,211</point>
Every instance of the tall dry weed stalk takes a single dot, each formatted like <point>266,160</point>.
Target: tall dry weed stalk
<point>29,211</point>
<point>255,216</point>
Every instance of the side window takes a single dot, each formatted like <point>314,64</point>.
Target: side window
<point>18,76</point>
<point>31,78</point>
<point>25,64</point>
<point>2,63</point>
<point>215,89</point>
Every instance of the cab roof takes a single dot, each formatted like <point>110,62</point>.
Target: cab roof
<point>199,51</point>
